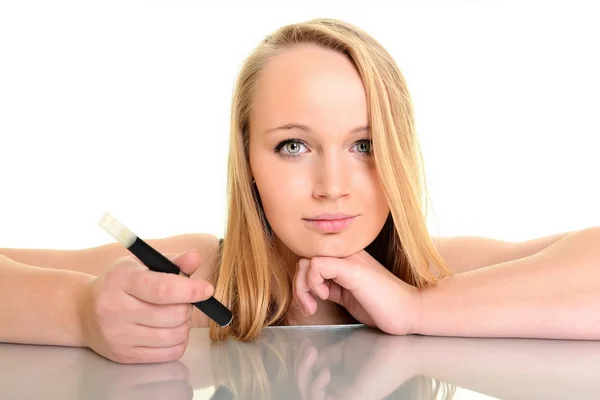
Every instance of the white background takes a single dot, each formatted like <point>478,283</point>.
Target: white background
<point>124,106</point>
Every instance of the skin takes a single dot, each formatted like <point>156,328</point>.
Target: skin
<point>328,168</point>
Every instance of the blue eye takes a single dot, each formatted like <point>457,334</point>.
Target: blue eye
<point>365,146</point>
<point>291,148</point>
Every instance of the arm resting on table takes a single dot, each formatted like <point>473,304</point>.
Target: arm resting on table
<point>551,294</point>
<point>40,305</point>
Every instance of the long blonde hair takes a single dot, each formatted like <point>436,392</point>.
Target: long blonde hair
<point>251,278</point>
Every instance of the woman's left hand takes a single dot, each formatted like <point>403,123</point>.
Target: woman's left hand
<point>368,291</point>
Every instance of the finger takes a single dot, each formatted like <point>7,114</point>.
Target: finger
<point>302,289</point>
<point>317,387</point>
<point>358,283</point>
<point>316,282</point>
<point>159,316</point>
<point>161,288</point>
<point>188,262</point>
<point>324,287</point>
<point>147,336</point>
<point>299,355</point>
<point>295,303</point>
<point>345,273</point>
<point>145,354</point>
<point>335,293</point>
<point>325,359</point>
<point>305,367</point>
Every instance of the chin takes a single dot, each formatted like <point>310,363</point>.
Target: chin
<point>337,246</point>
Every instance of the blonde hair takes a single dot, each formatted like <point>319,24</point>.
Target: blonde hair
<point>251,278</point>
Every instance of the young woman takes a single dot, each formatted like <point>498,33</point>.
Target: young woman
<point>326,225</point>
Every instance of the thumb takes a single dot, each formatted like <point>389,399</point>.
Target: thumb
<point>188,262</point>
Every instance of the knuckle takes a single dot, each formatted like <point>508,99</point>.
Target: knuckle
<point>182,312</point>
<point>181,333</point>
<point>115,263</point>
<point>113,273</point>
<point>177,314</point>
<point>121,262</point>
<point>162,289</point>
<point>197,290</point>
<point>177,351</point>
<point>122,356</point>
<point>104,305</point>
<point>120,267</point>
<point>173,336</point>
<point>118,357</point>
<point>313,277</point>
<point>164,335</point>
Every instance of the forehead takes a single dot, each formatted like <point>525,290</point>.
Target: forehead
<point>310,85</point>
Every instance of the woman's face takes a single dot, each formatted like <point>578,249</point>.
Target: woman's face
<point>311,156</point>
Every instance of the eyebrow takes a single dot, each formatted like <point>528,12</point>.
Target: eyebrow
<point>305,128</point>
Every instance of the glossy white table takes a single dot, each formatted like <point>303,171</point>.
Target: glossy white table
<point>351,362</point>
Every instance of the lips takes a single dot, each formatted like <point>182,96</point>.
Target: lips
<point>330,217</point>
<point>331,223</point>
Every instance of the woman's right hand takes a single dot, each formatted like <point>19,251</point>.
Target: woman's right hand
<point>134,315</point>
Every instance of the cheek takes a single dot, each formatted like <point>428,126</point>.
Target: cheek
<point>371,193</point>
<point>376,208</point>
<point>286,197</point>
<point>283,199</point>
<point>381,206</point>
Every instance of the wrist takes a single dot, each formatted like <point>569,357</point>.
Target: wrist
<point>81,296</point>
<point>408,310</point>
<point>435,304</point>
<point>417,325</point>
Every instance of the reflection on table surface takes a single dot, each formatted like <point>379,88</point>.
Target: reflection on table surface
<point>352,362</point>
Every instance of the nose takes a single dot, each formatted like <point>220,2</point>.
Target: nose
<point>332,177</point>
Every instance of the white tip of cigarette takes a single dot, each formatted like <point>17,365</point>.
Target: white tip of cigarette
<point>117,230</point>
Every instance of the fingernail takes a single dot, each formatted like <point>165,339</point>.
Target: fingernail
<point>209,291</point>
<point>303,262</point>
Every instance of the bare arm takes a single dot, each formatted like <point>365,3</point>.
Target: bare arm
<point>550,294</point>
<point>42,291</point>
<point>40,305</point>
<point>467,253</point>
<point>93,260</point>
